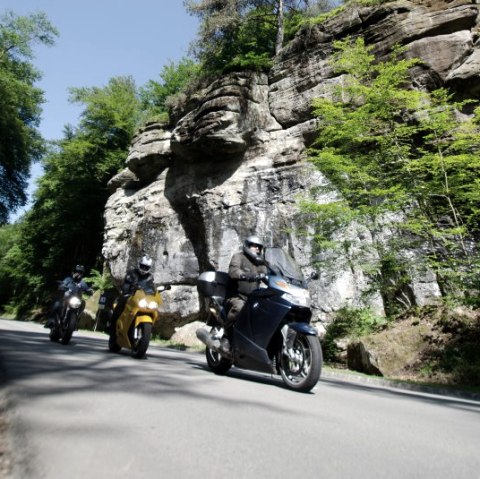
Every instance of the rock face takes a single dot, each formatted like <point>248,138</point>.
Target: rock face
<point>234,162</point>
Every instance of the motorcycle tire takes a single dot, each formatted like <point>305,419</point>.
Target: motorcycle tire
<point>303,372</point>
<point>69,328</point>
<point>217,363</point>
<point>54,334</point>
<point>140,346</point>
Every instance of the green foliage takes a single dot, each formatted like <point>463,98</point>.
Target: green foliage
<point>394,152</point>
<point>245,44</point>
<point>65,224</point>
<point>351,323</point>
<point>322,17</point>
<point>8,238</point>
<point>100,281</point>
<point>111,113</point>
<point>253,45</point>
<point>175,77</point>
<point>245,34</point>
<point>15,275</point>
<point>20,100</point>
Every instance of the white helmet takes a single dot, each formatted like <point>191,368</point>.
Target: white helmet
<point>253,240</point>
<point>145,264</point>
<point>256,257</point>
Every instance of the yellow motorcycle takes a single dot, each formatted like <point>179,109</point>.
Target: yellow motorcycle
<point>133,328</point>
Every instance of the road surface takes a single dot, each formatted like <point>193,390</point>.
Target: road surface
<point>79,411</point>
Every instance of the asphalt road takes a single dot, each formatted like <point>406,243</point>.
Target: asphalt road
<point>78,411</point>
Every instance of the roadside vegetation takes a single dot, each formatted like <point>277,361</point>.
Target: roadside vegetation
<point>404,166</point>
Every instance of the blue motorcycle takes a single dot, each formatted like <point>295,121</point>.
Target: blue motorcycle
<point>272,333</point>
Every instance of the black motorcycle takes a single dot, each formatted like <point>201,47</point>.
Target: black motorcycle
<point>66,322</point>
<point>272,333</point>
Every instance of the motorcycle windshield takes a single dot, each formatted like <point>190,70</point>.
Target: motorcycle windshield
<point>282,264</point>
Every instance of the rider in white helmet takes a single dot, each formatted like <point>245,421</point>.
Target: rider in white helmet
<point>140,275</point>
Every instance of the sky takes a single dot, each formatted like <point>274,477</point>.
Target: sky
<point>98,40</point>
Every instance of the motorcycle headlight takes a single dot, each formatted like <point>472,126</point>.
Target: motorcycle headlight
<point>144,304</point>
<point>74,302</point>
<point>297,300</point>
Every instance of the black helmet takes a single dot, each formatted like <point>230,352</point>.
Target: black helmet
<point>78,272</point>
<point>144,264</point>
<point>250,241</point>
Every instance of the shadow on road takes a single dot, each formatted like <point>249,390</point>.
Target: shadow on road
<point>87,364</point>
<point>84,363</point>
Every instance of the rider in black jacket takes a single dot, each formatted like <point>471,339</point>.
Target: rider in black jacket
<point>135,278</point>
<point>247,268</point>
<point>72,283</point>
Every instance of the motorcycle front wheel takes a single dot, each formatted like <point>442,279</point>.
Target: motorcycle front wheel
<point>69,327</point>
<point>301,368</point>
<point>140,345</point>
<point>217,363</point>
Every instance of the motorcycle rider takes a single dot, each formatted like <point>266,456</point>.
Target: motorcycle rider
<point>71,283</point>
<point>247,268</point>
<point>136,277</point>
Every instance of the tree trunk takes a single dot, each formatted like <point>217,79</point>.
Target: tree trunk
<point>279,39</point>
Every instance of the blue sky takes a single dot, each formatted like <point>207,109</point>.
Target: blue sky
<point>101,39</point>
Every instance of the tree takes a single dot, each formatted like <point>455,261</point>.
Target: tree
<point>8,239</point>
<point>223,26</point>
<point>175,77</point>
<point>395,152</point>
<point>20,100</point>
<point>65,224</point>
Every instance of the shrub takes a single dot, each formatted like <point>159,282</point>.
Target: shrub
<point>352,323</point>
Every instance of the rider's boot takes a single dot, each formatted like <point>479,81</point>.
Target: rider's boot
<point>225,341</point>
<point>225,345</point>
<point>50,322</point>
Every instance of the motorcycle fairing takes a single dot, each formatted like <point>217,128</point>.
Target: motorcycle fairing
<point>303,328</point>
<point>257,323</point>
<point>261,317</point>
<point>132,316</point>
<point>249,355</point>
<point>142,318</point>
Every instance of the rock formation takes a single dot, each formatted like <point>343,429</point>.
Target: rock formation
<point>234,162</point>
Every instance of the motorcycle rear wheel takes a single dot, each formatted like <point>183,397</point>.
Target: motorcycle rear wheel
<point>141,344</point>
<point>302,372</point>
<point>67,331</point>
<point>217,363</point>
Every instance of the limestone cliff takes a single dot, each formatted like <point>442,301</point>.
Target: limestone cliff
<point>234,161</point>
